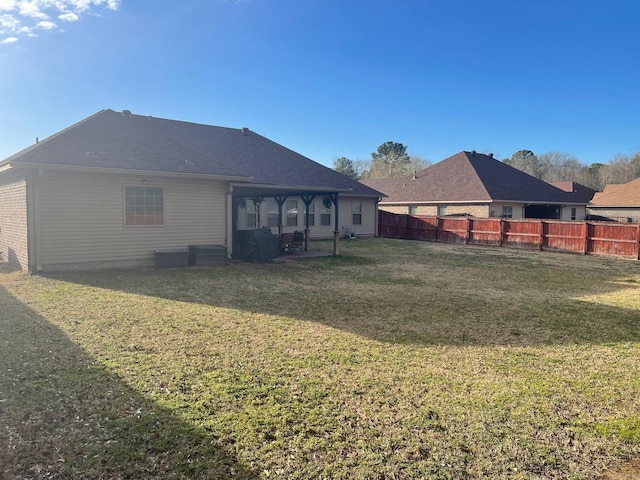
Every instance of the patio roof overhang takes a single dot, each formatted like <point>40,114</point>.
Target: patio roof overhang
<point>248,190</point>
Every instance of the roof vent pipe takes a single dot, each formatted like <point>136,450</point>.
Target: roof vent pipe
<point>126,112</point>
<point>491,155</point>
<point>473,153</point>
<point>245,131</point>
<point>415,172</point>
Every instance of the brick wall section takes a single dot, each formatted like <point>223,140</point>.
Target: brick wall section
<point>475,210</point>
<point>13,222</point>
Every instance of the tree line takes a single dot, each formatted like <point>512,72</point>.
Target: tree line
<point>560,166</point>
<point>392,160</point>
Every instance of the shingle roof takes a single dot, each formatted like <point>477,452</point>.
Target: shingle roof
<point>125,141</point>
<point>627,194</point>
<point>469,177</point>
<point>580,192</point>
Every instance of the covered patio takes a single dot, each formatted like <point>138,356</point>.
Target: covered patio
<point>240,194</point>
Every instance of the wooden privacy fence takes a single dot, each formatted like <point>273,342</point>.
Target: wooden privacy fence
<point>593,238</point>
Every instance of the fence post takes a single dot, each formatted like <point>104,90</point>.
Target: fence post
<point>502,232</point>
<point>638,241</point>
<point>585,236</point>
<point>541,234</point>
<point>468,233</point>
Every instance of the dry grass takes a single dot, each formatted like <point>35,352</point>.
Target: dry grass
<point>396,360</point>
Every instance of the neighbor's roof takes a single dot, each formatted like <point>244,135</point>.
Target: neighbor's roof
<point>469,177</point>
<point>112,140</point>
<point>619,195</point>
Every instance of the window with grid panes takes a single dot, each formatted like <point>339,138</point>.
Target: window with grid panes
<point>143,205</point>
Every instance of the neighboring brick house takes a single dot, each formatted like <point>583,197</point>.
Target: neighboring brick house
<point>471,183</point>
<point>618,202</point>
<point>115,187</point>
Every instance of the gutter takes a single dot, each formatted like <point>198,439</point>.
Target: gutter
<point>613,206</point>
<point>125,171</point>
<point>465,202</point>
<point>290,188</point>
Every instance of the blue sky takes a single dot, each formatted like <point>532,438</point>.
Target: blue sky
<point>331,78</point>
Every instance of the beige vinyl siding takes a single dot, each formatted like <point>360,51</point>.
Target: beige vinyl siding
<point>369,213</point>
<point>13,222</point>
<point>82,219</point>
<point>477,210</point>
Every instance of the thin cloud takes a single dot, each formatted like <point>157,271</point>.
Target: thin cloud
<point>69,17</point>
<point>20,18</point>
<point>46,25</point>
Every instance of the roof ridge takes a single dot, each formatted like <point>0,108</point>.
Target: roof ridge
<point>473,154</point>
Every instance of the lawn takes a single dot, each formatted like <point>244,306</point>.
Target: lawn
<point>397,359</point>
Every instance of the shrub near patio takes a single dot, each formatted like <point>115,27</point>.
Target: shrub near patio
<point>397,359</point>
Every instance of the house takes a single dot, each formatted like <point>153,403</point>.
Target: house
<point>115,187</point>
<point>618,202</point>
<point>471,183</point>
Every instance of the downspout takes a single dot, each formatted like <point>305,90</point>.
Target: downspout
<point>230,219</point>
<point>336,233</point>
<point>376,221</point>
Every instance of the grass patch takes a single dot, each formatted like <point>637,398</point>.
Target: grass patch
<point>397,359</point>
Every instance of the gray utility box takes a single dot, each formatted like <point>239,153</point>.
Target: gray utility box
<point>172,257</point>
<point>207,254</point>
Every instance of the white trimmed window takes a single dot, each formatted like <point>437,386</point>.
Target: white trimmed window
<point>442,210</point>
<point>312,214</point>
<point>273,212</point>
<point>325,215</point>
<point>292,213</point>
<point>356,213</point>
<point>143,205</point>
<point>507,211</point>
<point>250,211</point>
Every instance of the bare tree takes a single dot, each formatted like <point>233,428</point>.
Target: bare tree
<point>525,160</point>
<point>560,166</point>
<point>362,168</point>
<point>417,163</point>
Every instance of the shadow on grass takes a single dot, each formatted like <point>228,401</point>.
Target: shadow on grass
<point>356,294</point>
<point>62,415</point>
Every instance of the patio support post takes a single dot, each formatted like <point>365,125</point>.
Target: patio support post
<point>280,199</point>
<point>257,201</point>
<point>336,232</point>
<point>307,198</point>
